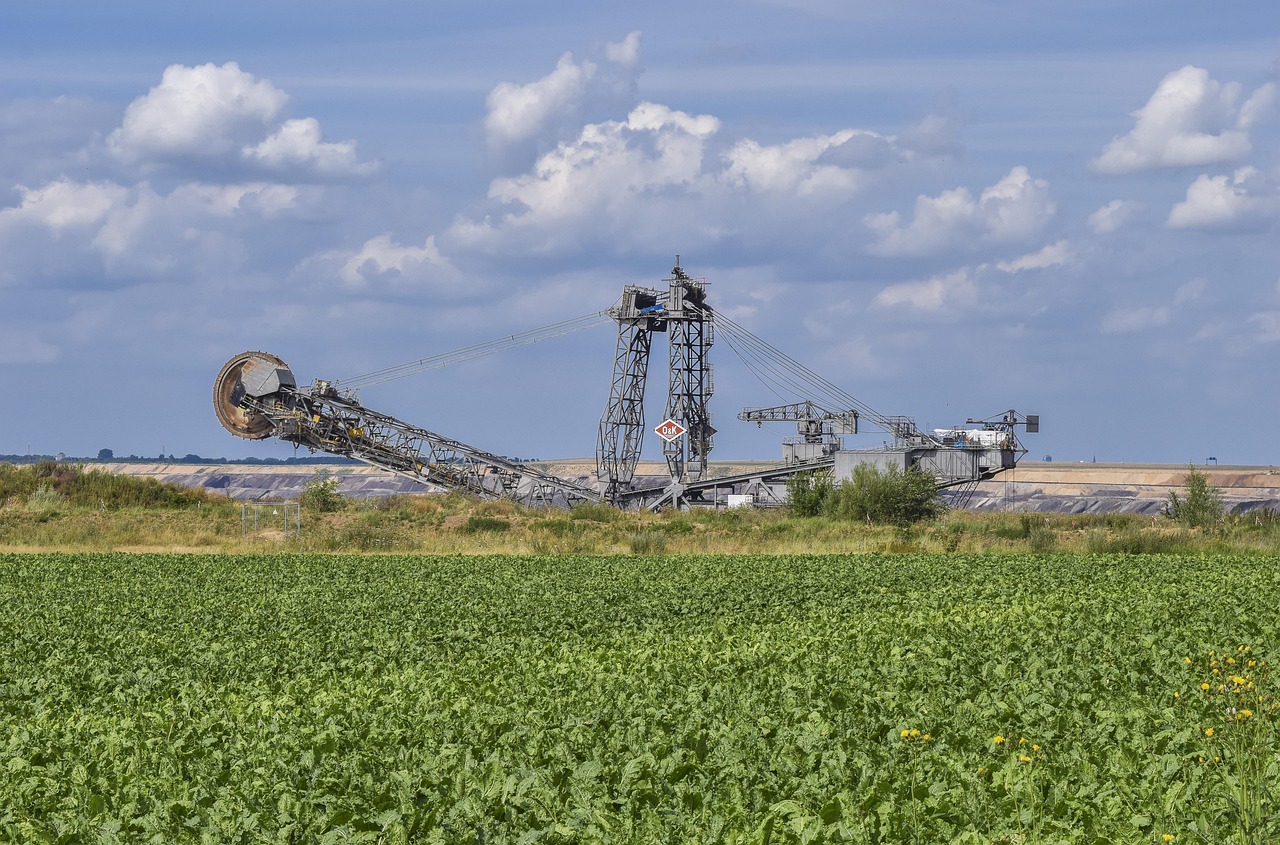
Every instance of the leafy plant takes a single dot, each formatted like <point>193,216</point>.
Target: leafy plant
<point>891,496</point>
<point>1200,506</point>
<point>321,494</point>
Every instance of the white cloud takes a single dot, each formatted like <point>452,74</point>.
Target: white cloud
<point>1190,120</point>
<point>382,257</point>
<point>1012,210</point>
<point>298,144</point>
<point>517,112</point>
<point>625,52</point>
<point>213,114</point>
<point>65,204</point>
<point>952,289</point>
<point>1127,320</point>
<point>601,172</point>
<point>1053,255</point>
<point>202,111</point>
<point>520,112</point>
<point>797,166</point>
<point>1112,216</point>
<point>1222,200</point>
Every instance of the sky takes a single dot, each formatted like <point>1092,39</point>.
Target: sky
<point>947,209</point>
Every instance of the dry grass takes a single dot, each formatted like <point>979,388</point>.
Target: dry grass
<point>96,515</point>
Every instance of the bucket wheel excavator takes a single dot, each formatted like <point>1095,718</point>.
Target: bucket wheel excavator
<point>256,396</point>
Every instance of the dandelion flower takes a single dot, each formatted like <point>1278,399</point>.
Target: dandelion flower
<point>904,734</point>
<point>1024,758</point>
<point>1208,731</point>
<point>1204,686</point>
<point>1167,837</point>
<point>997,739</point>
<point>915,732</point>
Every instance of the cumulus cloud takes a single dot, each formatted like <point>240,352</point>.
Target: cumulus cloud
<point>516,112</point>
<point>1014,209</point>
<point>804,166</point>
<point>1053,255</point>
<point>64,204</point>
<point>381,257</point>
<point>1223,200</point>
<point>221,115</point>
<point>606,168</point>
<point>955,288</point>
<point>1190,120</point>
<point>298,145</point>
<point>1112,216</point>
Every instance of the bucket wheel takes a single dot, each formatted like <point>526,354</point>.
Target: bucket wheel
<point>228,391</point>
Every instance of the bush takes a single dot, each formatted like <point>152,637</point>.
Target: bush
<point>1201,505</point>
<point>809,494</point>
<point>891,496</point>
<point>648,543</point>
<point>321,494</point>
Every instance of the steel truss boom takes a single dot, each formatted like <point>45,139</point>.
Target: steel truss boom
<point>255,397</point>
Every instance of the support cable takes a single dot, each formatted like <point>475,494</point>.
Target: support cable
<point>479,350</point>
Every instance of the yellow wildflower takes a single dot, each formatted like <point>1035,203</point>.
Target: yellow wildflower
<point>997,739</point>
<point>1208,731</point>
<point>1168,837</point>
<point>1035,748</point>
<point>915,732</point>
<point>1024,758</point>
<point>904,734</point>
<point>1204,686</point>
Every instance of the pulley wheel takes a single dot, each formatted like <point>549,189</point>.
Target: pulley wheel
<point>228,391</point>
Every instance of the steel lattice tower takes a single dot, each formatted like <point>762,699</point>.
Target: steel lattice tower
<point>689,383</point>
<point>683,313</point>
<point>622,425</point>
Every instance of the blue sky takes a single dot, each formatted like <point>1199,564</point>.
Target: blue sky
<point>946,208</point>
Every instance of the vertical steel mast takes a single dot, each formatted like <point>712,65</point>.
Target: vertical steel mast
<point>618,443</point>
<point>689,384</point>
<point>681,311</point>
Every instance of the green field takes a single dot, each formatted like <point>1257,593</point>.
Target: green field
<point>862,698</point>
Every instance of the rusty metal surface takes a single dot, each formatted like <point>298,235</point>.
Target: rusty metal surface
<point>229,388</point>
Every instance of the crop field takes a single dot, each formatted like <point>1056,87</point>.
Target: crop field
<point>563,698</point>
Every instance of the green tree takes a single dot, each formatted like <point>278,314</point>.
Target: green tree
<point>808,493</point>
<point>321,493</point>
<point>890,496</point>
<point>1200,506</point>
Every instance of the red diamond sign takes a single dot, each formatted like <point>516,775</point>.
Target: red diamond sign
<point>669,430</point>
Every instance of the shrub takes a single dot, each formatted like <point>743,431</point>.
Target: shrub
<point>890,496</point>
<point>321,494</point>
<point>809,494</point>
<point>1201,504</point>
<point>648,543</point>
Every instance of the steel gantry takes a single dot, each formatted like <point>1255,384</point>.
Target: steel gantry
<point>683,313</point>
